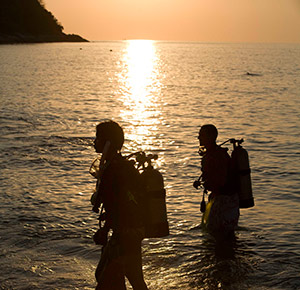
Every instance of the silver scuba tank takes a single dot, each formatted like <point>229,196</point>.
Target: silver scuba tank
<point>240,160</point>
<point>155,211</point>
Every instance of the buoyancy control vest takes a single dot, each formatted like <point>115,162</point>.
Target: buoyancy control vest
<point>117,192</point>
<point>148,192</point>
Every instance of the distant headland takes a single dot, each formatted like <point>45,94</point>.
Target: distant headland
<point>28,21</point>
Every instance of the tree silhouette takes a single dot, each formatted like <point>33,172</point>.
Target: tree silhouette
<point>30,18</point>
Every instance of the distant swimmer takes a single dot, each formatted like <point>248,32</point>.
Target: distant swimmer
<point>252,74</point>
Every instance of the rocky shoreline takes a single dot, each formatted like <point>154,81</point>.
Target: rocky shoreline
<point>30,38</point>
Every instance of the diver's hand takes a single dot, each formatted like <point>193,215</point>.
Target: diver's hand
<point>95,209</point>
<point>196,184</point>
<point>100,237</point>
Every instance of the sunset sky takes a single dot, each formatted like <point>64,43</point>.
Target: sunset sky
<point>180,20</point>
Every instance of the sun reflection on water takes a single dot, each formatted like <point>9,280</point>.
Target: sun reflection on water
<point>140,89</point>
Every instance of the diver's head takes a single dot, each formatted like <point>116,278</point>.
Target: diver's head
<point>109,131</point>
<point>208,135</point>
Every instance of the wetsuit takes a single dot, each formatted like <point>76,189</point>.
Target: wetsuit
<point>119,190</point>
<point>216,174</point>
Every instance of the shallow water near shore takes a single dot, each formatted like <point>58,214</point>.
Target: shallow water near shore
<point>53,95</point>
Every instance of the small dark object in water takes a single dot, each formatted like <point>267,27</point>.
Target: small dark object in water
<point>252,74</point>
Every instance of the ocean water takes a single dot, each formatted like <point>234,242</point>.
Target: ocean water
<point>53,95</point>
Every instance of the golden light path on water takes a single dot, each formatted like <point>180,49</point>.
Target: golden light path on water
<point>140,90</point>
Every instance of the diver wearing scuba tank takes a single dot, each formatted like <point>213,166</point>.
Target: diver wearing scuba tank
<point>222,218</point>
<point>121,256</point>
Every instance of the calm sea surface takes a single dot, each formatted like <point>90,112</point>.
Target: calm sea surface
<point>53,95</point>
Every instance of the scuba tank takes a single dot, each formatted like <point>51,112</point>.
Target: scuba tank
<point>153,198</point>
<point>240,162</point>
<point>241,171</point>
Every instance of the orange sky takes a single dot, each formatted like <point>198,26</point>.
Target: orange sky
<point>181,20</point>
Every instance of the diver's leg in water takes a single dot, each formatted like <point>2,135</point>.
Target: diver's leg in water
<point>113,277</point>
<point>134,271</point>
<point>110,270</point>
<point>132,258</point>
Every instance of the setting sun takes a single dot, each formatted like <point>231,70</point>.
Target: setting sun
<point>139,87</point>
<point>140,59</point>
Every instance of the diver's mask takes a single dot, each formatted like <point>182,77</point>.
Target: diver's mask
<point>201,150</point>
<point>95,168</point>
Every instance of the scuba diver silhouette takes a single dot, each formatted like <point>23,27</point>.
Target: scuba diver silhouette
<point>221,214</point>
<point>118,199</point>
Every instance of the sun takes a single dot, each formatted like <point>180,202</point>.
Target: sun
<point>140,88</point>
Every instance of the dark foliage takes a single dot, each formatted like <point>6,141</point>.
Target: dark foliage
<point>29,21</point>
